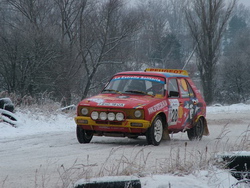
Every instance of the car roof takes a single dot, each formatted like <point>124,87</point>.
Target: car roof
<point>164,74</point>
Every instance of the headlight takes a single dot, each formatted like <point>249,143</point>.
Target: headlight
<point>103,115</point>
<point>84,111</point>
<point>119,116</point>
<point>111,116</point>
<point>94,115</point>
<point>137,113</point>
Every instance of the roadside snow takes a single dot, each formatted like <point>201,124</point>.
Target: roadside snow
<point>15,149</point>
<point>37,123</point>
<point>236,108</point>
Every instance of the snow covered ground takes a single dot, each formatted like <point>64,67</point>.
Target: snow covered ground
<point>43,152</point>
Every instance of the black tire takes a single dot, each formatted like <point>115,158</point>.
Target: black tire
<point>83,136</point>
<point>196,132</point>
<point>155,132</point>
<point>9,117</point>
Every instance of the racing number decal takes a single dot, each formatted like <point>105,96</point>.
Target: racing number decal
<point>174,115</point>
<point>173,111</point>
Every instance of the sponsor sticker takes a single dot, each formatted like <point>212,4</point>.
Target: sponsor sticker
<point>111,104</point>
<point>97,100</point>
<point>157,107</point>
<point>139,106</point>
<point>176,71</point>
<point>123,97</point>
<point>136,77</point>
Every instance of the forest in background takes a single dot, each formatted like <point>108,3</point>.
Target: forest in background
<point>66,50</point>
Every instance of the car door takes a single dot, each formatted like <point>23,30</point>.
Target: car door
<point>173,103</point>
<point>187,103</point>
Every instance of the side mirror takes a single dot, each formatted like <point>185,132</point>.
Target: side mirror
<point>173,94</point>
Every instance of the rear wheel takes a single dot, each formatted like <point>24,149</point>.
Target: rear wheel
<point>155,132</point>
<point>83,136</point>
<point>196,132</point>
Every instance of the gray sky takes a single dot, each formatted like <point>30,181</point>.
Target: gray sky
<point>245,2</point>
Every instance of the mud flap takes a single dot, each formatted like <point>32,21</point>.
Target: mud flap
<point>206,131</point>
<point>166,134</point>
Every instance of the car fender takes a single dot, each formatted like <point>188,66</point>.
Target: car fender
<point>164,118</point>
<point>206,131</point>
<point>165,125</point>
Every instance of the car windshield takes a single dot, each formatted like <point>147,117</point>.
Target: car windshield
<point>136,84</point>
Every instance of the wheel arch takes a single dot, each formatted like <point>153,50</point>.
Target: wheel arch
<point>206,131</point>
<point>157,131</point>
<point>163,117</point>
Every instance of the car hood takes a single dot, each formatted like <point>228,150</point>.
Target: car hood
<point>120,101</point>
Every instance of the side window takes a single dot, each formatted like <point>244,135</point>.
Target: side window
<point>173,88</point>
<point>191,91</point>
<point>185,89</point>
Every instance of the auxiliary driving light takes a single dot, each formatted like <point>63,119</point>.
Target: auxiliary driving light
<point>94,115</point>
<point>103,115</point>
<point>111,116</point>
<point>119,116</point>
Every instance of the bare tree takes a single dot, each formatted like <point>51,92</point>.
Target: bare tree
<point>60,45</point>
<point>102,32</point>
<point>68,31</point>
<point>235,67</point>
<point>28,51</point>
<point>207,20</point>
<point>162,41</point>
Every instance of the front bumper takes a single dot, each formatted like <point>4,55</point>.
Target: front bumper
<point>127,126</point>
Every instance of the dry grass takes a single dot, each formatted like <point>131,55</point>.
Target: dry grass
<point>181,161</point>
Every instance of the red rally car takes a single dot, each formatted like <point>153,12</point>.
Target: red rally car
<point>152,103</point>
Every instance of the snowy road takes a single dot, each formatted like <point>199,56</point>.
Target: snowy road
<point>50,159</point>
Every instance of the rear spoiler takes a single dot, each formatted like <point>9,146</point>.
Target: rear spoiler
<point>175,71</point>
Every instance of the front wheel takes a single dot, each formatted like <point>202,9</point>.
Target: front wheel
<point>83,136</point>
<point>155,132</point>
<point>196,132</point>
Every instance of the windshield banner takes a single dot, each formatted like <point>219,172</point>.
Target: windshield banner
<point>136,77</point>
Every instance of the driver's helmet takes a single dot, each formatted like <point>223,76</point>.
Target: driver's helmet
<point>138,85</point>
<point>158,88</point>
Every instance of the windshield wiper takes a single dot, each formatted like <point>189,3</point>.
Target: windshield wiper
<point>137,91</point>
<point>116,91</point>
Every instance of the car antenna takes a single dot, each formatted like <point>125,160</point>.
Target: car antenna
<point>191,55</point>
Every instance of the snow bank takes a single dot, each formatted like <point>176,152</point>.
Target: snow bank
<point>235,108</point>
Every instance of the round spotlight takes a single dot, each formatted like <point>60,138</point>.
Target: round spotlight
<point>119,116</point>
<point>111,116</point>
<point>94,115</point>
<point>103,115</point>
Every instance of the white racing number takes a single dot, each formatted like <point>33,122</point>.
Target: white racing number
<point>173,111</point>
